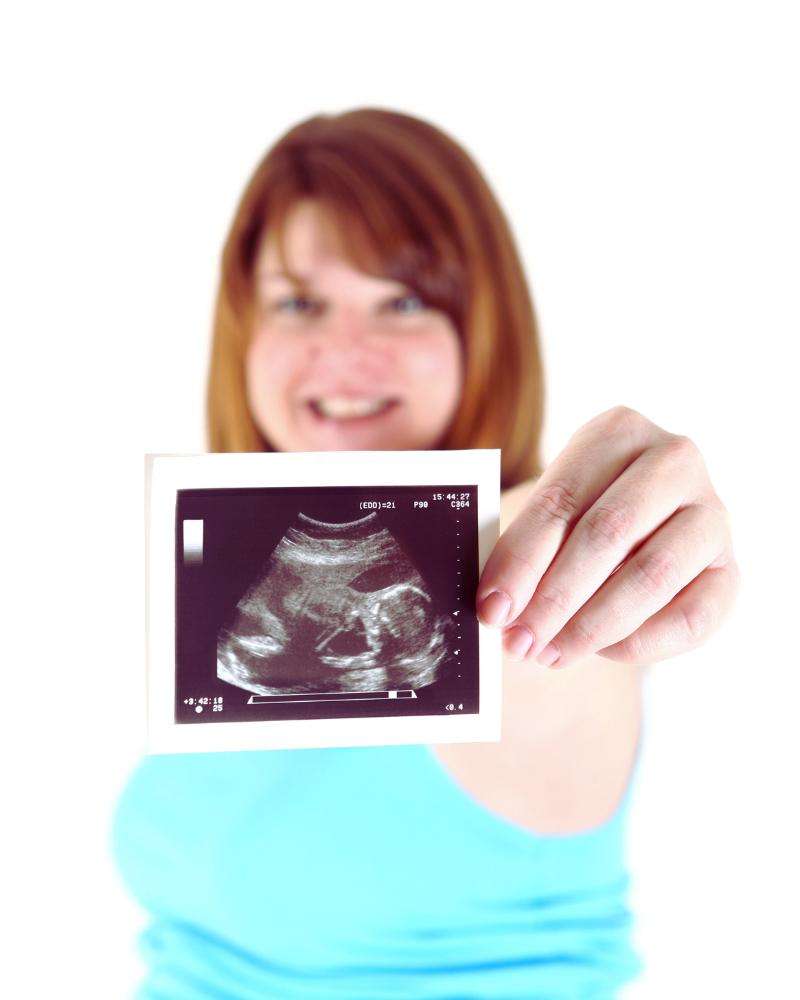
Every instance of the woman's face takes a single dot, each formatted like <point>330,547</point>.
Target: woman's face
<point>348,361</point>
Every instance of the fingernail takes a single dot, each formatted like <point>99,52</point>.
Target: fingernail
<point>518,640</point>
<point>494,608</point>
<point>548,655</point>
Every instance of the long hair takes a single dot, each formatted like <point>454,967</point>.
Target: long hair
<point>411,205</point>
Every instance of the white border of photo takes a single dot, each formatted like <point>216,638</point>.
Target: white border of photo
<point>166,474</point>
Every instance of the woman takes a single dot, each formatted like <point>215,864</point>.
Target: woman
<point>371,297</point>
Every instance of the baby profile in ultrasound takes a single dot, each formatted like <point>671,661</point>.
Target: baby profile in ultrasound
<point>336,607</point>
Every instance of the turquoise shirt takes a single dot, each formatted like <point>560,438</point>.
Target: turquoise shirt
<point>361,873</point>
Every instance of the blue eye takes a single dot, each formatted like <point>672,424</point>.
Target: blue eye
<point>301,304</point>
<point>417,303</point>
<point>283,304</point>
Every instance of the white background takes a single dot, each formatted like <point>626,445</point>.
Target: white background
<point>647,157</point>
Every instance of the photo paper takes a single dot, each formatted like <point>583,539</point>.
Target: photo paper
<point>311,599</point>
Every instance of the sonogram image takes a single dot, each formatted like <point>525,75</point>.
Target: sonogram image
<point>338,606</point>
<point>315,602</point>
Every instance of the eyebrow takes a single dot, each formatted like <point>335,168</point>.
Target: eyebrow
<point>297,278</point>
<point>305,281</point>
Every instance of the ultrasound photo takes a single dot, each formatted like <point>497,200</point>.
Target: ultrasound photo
<point>310,599</point>
<point>340,607</point>
<point>335,601</point>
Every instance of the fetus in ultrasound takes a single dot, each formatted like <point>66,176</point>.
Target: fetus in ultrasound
<point>336,607</point>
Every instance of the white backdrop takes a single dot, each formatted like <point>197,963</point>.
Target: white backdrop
<point>647,157</point>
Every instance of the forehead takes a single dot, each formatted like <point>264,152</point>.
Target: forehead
<point>308,237</point>
<point>310,243</point>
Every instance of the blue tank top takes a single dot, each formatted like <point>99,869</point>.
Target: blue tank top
<point>361,873</point>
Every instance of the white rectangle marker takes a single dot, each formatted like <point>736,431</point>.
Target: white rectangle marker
<point>193,541</point>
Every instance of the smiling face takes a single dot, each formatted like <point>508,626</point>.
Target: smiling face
<point>345,361</point>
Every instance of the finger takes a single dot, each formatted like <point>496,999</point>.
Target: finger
<point>686,622</point>
<point>649,491</point>
<point>594,456</point>
<point>647,581</point>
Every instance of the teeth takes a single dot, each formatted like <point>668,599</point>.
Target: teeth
<point>340,407</point>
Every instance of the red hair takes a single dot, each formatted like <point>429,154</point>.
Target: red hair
<point>409,204</point>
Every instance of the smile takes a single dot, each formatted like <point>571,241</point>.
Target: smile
<point>343,408</point>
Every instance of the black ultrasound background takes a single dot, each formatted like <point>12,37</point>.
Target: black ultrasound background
<point>241,530</point>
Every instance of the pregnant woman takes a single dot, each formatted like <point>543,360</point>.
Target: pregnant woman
<point>371,298</point>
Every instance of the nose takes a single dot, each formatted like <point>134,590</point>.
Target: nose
<point>347,324</point>
<point>347,335</point>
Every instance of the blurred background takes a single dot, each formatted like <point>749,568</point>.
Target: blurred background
<point>647,157</point>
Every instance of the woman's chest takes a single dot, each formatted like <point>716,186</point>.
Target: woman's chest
<point>307,849</point>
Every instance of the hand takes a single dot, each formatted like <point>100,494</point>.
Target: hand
<point>622,549</point>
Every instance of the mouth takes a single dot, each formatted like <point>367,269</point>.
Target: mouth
<point>341,411</point>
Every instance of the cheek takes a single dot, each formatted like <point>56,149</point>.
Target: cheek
<point>270,366</point>
<point>436,363</point>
